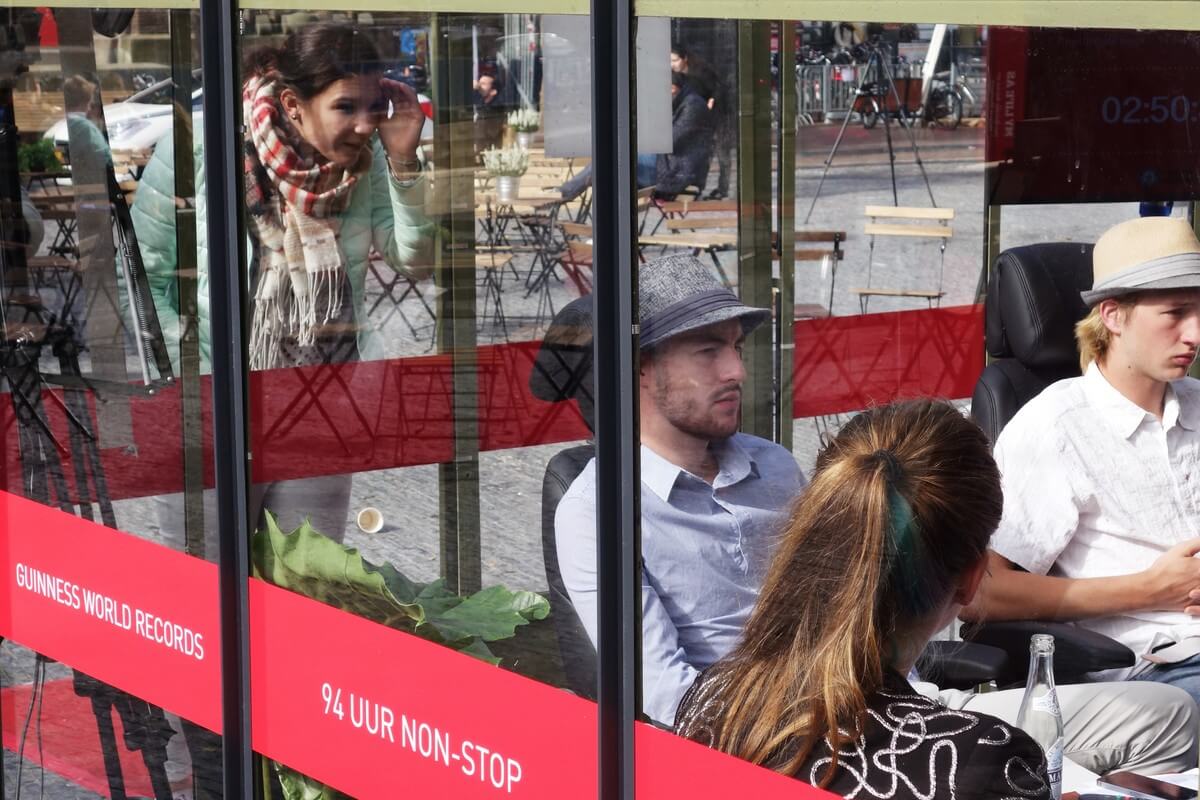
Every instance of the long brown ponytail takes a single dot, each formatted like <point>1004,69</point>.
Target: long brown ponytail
<point>902,503</point>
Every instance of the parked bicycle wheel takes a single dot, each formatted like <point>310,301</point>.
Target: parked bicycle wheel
<point>870,113</point>
<point>945,108</point>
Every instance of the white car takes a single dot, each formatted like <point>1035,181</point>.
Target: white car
<point>136,125</point>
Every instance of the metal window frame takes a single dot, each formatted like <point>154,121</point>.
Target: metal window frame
<point>615,344</point>
<point>230,385</point>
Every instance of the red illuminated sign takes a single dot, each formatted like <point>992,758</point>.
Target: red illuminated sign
<point>1086,115</point>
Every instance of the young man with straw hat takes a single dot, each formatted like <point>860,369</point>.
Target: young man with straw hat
<point>1101,473</point>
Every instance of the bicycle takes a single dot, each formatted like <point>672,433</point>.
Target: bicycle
<point>943,108</point>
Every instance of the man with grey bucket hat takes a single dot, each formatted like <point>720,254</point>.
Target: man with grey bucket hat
<point>712,498</point>
<point>1101,473</point>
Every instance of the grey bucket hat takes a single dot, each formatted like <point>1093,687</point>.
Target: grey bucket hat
<point>677,294</point>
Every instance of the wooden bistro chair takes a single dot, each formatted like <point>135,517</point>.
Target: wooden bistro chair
<point>576,257</point>
<point>809,254</point>
<point>902,221</point>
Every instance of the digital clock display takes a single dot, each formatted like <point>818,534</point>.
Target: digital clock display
<point>1089,115</point>
<point>1158,110</point>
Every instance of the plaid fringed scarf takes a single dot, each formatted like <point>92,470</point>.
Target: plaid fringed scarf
<point>294,205</point>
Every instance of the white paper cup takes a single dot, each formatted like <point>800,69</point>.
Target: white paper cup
<point>370,520</point>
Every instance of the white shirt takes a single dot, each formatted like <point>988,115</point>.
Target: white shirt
<point>1095,486</point>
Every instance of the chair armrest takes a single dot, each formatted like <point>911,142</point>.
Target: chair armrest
<point>1077,650</point>
<point>961,665</point>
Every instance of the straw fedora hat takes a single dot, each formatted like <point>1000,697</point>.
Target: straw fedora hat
<point>1142,255</point>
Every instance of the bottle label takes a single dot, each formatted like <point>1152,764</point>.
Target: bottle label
<point>1054,759</point>
<point>1048,703</point>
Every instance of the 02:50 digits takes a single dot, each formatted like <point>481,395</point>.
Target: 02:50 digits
<point>1158,110</point>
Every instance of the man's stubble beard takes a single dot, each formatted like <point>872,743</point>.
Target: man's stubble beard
<point>687,419</point>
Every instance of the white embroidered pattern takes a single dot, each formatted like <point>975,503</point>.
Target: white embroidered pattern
<point>915,723</point>
<point>915,751</point>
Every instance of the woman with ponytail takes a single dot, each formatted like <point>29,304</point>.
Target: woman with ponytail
<point>884,547</point>
<point>331,175</point>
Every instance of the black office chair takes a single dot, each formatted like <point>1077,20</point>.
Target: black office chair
<point>574,647</point>
<point>1030,312</point>
<point>562,372</point>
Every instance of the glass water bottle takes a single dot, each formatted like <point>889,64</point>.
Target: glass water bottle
<point>1040,716</point>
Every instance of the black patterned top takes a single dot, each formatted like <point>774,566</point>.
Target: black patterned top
<point>912,748</point>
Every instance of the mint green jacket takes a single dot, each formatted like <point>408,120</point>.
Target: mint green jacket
<point>382,214</point>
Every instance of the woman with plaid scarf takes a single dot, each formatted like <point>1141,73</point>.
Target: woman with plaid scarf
<point>332,174</point>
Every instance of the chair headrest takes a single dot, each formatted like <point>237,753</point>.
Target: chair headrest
<point>1033,303</point>
<point>562,369</point>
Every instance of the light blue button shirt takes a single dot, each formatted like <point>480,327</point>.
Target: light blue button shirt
<point>705,552</point>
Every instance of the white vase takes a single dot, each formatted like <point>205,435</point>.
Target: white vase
<point>524,139</point>
<point>507,188</point>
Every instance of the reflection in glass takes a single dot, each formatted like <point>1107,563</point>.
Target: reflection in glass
<point>92,399</point>
<point>400,451</point>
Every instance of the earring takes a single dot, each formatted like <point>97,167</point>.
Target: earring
<point>295,116</point>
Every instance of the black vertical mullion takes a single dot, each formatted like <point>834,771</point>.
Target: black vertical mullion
<point>615,344</point>
<point>222,140</point>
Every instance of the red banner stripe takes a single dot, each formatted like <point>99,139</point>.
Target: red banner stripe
<point>670,767</point>
<point>365,708</point>
<point>339,696</point>
<point>131,613</point>
<point>371,415</point>
<point>851,363</point>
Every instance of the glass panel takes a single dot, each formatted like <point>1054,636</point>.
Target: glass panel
<point>413,392</point>
<point>1060,13</point>
<point>920,151</point>
<point>111,672</point>
<point>851,258</point>
<point>690,384</point>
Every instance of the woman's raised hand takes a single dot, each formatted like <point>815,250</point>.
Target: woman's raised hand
<point>400,132</point>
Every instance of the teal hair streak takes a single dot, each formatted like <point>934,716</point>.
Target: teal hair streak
<point>903,546</point>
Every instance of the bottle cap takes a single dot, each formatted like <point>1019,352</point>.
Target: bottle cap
<point>1041,643</point>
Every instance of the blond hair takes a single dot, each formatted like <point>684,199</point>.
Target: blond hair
<point>79,93</point>
<point>1093,337</point>
<point>902,503</point>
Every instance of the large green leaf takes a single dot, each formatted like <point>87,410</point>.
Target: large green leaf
<point>318,567</point>
<point>491,614</point>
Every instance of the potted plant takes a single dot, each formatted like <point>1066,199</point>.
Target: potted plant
<point>38,157</point>
<point>524,121</point>
<point>506,165</point>
<point>311,564</point>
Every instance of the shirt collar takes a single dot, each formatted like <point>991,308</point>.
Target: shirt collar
<point>658,473</point>
<point>733,462</point>
<point>1123,414</point>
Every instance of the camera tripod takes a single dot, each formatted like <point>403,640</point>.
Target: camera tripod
<point>877,84</point>
<point>27,329</point>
